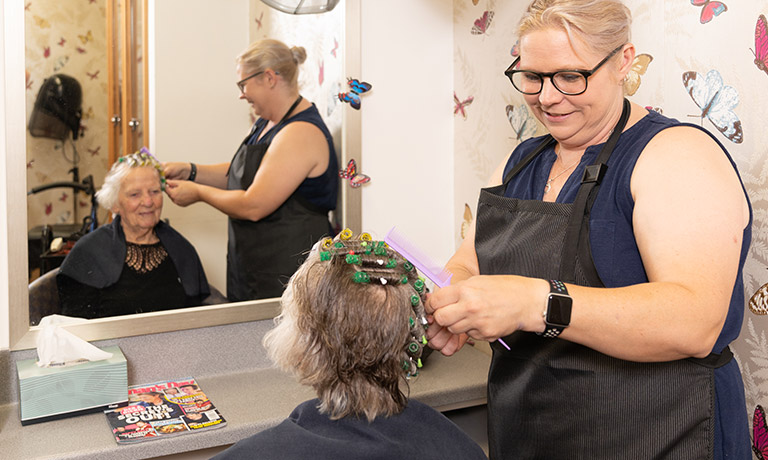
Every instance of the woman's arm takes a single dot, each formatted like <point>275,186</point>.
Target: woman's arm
<point>213,175</point>
<point>298,151</point>
<point>689,216</point>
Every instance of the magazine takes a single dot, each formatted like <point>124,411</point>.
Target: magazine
<point>161,409</point>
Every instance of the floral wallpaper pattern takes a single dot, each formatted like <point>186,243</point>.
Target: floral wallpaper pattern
<point>66,37</point>
<point>698,61</point>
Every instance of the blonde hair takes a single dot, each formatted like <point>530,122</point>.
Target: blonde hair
<point>602,25</point>
<point>274,54</point>
<point>352,327</point>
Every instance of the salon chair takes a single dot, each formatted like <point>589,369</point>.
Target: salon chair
<point>43,297</point>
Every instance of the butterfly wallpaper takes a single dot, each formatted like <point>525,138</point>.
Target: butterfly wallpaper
<point>703,61</point>
<point>63,39</point>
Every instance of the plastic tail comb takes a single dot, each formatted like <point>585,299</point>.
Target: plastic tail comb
<point>431,270</point>
<point>439,276</point>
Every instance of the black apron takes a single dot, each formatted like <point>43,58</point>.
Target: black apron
<point>262,255</point>
<point>551,398</point>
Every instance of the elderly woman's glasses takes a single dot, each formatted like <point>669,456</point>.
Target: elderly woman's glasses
<point>568,82</point>
<point>241,83</point>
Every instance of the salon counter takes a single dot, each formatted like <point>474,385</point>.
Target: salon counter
<point>231,367</point>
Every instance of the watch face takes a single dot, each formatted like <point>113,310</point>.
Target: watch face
<point>559,310</point>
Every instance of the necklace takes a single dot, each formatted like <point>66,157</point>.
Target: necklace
<point>548,187</point>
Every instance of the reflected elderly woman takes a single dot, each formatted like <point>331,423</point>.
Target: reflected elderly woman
<point>137,263</point>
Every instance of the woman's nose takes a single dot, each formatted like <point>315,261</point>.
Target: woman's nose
<point>549,94</point>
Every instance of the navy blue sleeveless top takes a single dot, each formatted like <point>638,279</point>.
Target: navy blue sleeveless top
<point>323,189</point>
<point>616,255</point>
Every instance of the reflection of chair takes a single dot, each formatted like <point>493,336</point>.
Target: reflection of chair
<point>43,297</point>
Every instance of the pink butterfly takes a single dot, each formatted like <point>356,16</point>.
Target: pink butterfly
<point>355,179</point>
<point>481,25</point>
<point>761,44</point>
<point>321,73</point>
<point>459,105</point>
<point>710,9</point>
<point>258,21</point>
<point>335,46</point>
<point>760,434</point>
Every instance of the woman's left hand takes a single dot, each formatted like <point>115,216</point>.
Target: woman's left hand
<point>182,192</point>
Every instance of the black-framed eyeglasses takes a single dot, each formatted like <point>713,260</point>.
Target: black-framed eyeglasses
<point>568,82</point>
<point>241,83</point>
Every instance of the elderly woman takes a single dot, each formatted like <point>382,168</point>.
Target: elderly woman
<point>281,183</point>
<point>137,263</point>
<point>352,328</point>
<point>608,255</point>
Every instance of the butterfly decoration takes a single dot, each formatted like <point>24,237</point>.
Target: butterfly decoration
<point>639,66</point>
<point>481,24</point>
<point>716,102</point>
<point>30,163</point>
<point>761,44</point>
<point>88,114</point>
<point>80,50</point>
<point>94,75</point>
<point>258,21</point>
<point>467,222</point>
<point>474,2</point>
<point>95,151</point>
<point>60,63</point>
<point>355,179</point>
<point>47,52</point>
<point>321,73</point>
<point>63,197</point>
<point>760,434</point>
<point>515,51</point>
<point>655,109</point>
<point>62,41</point>
<point>335,47</point>
<point>86,38</point>
<point>758,303</point>
<point>48,209</point>
<point>357,88</point>
<point>709,10</point>
<point>522,122</point>
<point>459,105</point>
<point>42,23</point>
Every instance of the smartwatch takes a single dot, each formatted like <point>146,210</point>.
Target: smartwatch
<point>557,315</point>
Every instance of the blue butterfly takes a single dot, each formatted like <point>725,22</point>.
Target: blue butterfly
<point>357,88</point>
<point>716,102</point>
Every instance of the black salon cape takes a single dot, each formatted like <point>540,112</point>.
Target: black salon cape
<point>419,432</point>
<point>98,258</point>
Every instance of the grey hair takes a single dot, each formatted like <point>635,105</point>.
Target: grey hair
<point>109,192</point>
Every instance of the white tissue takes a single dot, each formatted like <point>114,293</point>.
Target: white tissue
<point>58,347</point>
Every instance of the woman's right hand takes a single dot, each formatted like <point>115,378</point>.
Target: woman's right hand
<point>177,170</point>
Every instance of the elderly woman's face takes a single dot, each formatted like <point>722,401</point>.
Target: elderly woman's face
<point>140,200</point>
<point>578,121</point>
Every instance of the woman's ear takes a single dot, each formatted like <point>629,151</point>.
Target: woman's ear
<point>627,59</point>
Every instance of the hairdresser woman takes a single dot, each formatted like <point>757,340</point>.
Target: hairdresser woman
<point>281,183</point>
<point>618,304</point>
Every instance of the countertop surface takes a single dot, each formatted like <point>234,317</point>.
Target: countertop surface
<point>250,401</point>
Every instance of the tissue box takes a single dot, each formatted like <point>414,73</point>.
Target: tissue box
<point>48,393</point>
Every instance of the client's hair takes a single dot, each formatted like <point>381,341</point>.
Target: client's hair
<point>352,326</point>
<point>107,195</point>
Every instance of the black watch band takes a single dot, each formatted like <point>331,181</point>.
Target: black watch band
<point>557,315</point>
<point>192,172</point>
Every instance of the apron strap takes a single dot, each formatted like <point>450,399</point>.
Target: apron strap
<point>714,360</point>
<point>577,232</point>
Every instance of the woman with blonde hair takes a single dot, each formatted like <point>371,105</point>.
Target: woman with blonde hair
<point>281,183</point>
<point>608,256</point>
<point>352,327</point>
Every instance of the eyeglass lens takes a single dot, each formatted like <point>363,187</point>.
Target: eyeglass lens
<point>565,82</point>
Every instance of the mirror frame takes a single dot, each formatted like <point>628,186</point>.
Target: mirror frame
<point>24,336</point>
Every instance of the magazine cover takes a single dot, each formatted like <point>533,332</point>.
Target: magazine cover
<point>159,409</point>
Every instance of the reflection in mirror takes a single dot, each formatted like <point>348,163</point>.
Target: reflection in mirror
<point>170,121</point>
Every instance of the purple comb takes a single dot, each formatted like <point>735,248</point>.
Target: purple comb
<point>440,276</point>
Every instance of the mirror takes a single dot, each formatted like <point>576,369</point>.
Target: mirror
<point>189,141</point>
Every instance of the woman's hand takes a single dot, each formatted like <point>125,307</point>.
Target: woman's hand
<point>182,192</point>
<point>485,308</point>
<point>176,171</point>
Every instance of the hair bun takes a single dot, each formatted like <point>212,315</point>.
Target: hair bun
<point>299,54</point>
